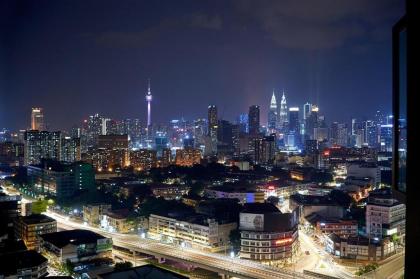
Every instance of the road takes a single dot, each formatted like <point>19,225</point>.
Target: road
<point>390,270</point>
<point>320,257</point>
<point>211,261</point>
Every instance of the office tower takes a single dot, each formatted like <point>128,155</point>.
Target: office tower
<point>283,114</point>
<point>212,120</point>
<point>254,120</point>
<point>149,105</point>
<point>272,114</point>
<point>370,133</point>
<point>293,130</point>
<point>339,134</point>
<point>306,111</point>
<point>132,128</point>
<point>265,149</point>
<point>380,118</point>
<point>386,137</point>
<point>243,123</point>
<point>224,132</point>
<point>70,150</point>
<point>293,120</point>
<point>236,133</point>
<point>93,129</point>
<point>42,145</point>
<point>37,119</point>
<point>199,131</point>
<point>161,142</point>
<point>311,122</point>
<point>321,130</point>
<point>307,108</point>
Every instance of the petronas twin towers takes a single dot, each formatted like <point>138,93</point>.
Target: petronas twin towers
<point>277,116</point>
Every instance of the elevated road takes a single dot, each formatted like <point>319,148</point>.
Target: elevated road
<point>210,261</point>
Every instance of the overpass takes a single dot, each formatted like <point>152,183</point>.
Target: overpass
<point>224,265</point>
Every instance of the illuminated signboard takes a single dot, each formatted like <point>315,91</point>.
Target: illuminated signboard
<point>283,241</point>
<point>250,221</point>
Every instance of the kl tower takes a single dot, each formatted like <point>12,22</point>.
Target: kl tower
<point>149,112</point>
<point>149,107</point>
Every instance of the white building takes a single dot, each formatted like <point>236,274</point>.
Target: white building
<point>196,231</point>
<point>385,216</point>
<point>362,170</point>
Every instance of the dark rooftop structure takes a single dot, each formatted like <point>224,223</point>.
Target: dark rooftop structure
<point>36,219</point>
<point>274,219</point>
<point>142,272</point>
<point>13,262</point>
<point>10,246</point>
<point>355,240</point>
<point>312,200</point>
<point>76,237</point>
<point>260,208</point>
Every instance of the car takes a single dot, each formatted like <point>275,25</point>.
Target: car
<point>307,252</point>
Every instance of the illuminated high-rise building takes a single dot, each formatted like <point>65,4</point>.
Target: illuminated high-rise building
<point>70,150</point>
<point>306,110</point>
<point>272,114</point>
<point>242,121</point>
<point>37,119</point>
<point>149,106</point>
<point>254,120</point>
<point>283,113</point>
<point>213,125</point>
<point>311,122</point>
<point>41,145</point>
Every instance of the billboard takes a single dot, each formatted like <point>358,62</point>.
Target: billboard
<point>103,244</point>
<point>252,222</point>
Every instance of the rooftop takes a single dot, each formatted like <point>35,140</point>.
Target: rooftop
<point>36,219</point>
<point>75,237</point>
<point>312,200</point>
<point>259,208</point>
<point>10,263</point>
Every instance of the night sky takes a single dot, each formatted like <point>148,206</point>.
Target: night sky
<point>76,58</point>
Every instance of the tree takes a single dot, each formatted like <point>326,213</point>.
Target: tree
<point>68,267</point>
<point>122,266</point>
<point>39,206</point>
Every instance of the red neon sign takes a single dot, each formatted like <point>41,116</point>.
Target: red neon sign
<point>283,241</point>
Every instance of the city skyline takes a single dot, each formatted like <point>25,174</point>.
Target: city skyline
<point>101,63</point>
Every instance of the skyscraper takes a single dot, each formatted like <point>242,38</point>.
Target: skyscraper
<point>306,110</point>
<point>272,114</point>
<point>311,122</point>
<point>254,120</point>
<point>243,123</point>
<point>149,105</point>
<point>339,134</point>
<point>212,122</point>
<point>294,120</point>
<point>293,128</point>
<point>42,145</point>
<point>37,119</point>
<point>283,114</point>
